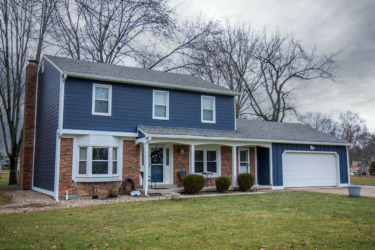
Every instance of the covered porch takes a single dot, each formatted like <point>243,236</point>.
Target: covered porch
<point>163,156</point>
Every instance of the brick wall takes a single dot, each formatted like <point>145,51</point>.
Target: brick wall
<point>130,170</point>
<point>131,158</point>
<point>180,162</point>
<point>27,150</point>
<point>226,162</point>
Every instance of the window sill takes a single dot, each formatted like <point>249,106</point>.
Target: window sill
<point>161,118</point>
<point>101,114</point>
<point>208,122</point>
<point>97,178</point>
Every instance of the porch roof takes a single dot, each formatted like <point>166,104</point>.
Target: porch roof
<point>250,130</point>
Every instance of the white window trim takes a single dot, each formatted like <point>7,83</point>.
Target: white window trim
<point>109,87</point>
<point>218,160</point>
<point>89,177</point>
<point>239,159</point>
<point>167,105</point>
<point>213,111</point>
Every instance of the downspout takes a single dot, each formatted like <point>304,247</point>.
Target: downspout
<point>59,134</point>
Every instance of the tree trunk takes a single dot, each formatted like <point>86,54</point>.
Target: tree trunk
<point>13,170</point>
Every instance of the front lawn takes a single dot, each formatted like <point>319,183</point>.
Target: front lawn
<point>279,219</point>
<point>4,180</point>
<point>362,180</point>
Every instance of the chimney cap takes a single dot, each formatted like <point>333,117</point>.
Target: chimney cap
<point>33,61</point>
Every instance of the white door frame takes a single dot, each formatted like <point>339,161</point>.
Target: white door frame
<point>166,172</point>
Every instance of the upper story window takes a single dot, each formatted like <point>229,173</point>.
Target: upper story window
<point>160,108</point>
<point>102,100</point>
<point>208,112</point>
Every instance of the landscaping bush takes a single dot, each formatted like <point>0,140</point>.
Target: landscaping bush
<point>222,184</point>
<point>245,181</point>
<point>193,183</point>
<point>372,168</point>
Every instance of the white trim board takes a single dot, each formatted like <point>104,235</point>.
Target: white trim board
<point>238,139</point>
<point>97,132</point>
<point>47,192</point>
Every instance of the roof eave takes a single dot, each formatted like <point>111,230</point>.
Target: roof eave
<point>149,83</point>
<point>242,139</point>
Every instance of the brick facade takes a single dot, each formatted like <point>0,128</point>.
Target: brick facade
<point>27,150</point>
<point>226,162</point>
<point>130,170</point>
<point>131,158</point>
<point>180,162</point>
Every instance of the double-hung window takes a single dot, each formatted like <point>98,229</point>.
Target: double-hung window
<point>102,100</point>
<point>160,109</point>
<point>208,110</point>
<point>206,160</point>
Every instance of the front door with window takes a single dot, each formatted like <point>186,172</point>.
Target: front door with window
<point>157,163</point>
<point>244,162</point>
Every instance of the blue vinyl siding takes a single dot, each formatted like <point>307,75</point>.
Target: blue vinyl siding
<point>132,106</point>
<point>279,148</point>
<point>263,164</point>
<point>46,127</point>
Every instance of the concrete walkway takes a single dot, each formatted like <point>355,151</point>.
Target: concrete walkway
<point>368,191</point>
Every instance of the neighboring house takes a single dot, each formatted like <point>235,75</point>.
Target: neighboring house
<point>4,164</point>
<point>98,124</point>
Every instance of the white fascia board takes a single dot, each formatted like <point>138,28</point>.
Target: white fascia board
<point>239,139</point>
<point>95,132</point>
<point>40,190</point>
<point>152,84</point>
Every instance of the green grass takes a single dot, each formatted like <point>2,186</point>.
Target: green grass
<point>4,200</point>
<point>4,180</point>
<point>362,180</point>
<point>282,219</point>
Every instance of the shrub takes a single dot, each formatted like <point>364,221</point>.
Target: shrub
<point>372,168</point>
<point>245,181</point>
<point>222,184</point>
<point>193,183</point>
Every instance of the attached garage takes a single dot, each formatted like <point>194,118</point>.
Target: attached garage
<point>310,169</point>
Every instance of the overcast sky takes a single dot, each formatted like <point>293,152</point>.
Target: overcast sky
<point>333,25</point>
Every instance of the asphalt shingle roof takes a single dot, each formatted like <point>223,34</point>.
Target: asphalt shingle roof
<point>131,74</point>
<point>254,130</point>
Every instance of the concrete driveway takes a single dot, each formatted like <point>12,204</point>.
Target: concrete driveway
<point>368,191</point>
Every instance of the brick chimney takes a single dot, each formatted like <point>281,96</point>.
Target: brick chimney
<point>27,150</point>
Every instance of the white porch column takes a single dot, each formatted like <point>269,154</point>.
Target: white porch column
<point>234,166</point>
<point>145,171</point>
<point>192,158</point>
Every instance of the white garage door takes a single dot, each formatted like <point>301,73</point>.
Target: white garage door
<point>309,169</point>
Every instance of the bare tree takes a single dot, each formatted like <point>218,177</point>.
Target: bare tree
<point>319,121</point>
<point>264,70</point>
<point>227,59</point>
<point>172,47</point>
<point>283,64</point>
<point>19,19</point>
<point>108,31</point>
<point>351,126</point>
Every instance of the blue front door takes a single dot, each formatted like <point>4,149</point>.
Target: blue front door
<point>157,162</point>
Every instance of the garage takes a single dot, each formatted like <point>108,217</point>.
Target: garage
<point>304,169</point>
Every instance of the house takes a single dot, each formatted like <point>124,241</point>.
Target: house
<point>94,125</point>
